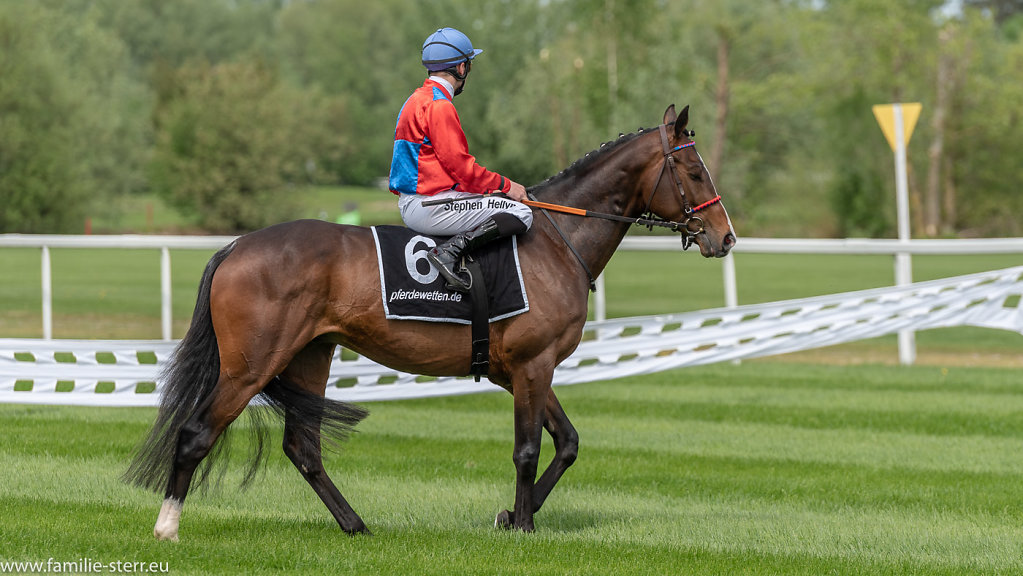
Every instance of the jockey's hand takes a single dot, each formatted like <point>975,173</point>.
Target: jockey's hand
<point>517,192</point>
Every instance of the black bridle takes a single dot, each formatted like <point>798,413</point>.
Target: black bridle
<point>692,225</point>
<point>689,227</point>
<point>685,227</point>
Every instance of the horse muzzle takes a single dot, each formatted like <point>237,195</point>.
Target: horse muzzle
<point>711,249</point>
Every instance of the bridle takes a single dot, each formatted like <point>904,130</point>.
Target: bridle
<point>692,225</point>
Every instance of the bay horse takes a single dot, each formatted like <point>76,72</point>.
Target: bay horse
<point>273,305</point>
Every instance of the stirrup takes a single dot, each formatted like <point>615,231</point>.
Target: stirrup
<point>462,286</point>
<point>454,281</point>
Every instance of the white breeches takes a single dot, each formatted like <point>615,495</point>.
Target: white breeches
<point>450,219</point>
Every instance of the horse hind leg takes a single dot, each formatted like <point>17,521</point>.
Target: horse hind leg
<point>304,451</point>
<point>195,442</point>
<point>299,391</point>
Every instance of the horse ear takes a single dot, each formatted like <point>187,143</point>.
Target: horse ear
<point>681,122</point>
<point>669,114</point>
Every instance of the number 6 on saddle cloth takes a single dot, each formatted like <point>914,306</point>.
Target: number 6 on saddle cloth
<point>412,289</point>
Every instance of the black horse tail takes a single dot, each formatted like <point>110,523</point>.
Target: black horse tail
<point>189,380</point>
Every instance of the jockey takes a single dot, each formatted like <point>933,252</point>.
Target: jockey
<point>431,160</point>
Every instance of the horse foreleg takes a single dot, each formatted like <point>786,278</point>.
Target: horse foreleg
<point>566,448</point>
<point>309,371</point>
<point>530,392</point>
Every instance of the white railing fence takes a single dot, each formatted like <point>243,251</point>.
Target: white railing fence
<point>127,241</point>
<point>900,250</point>
<point>897,248</point>
<point>122,373</point>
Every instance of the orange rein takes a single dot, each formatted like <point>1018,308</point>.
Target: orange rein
<point>556,207</point>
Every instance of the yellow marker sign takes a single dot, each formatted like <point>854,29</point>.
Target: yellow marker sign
<point>885,114</point>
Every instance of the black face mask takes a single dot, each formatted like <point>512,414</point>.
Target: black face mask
<point>462,77</point>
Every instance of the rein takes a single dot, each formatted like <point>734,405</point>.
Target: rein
<point>648,222</point>
<point>647,219</point>
<point>564,238</point>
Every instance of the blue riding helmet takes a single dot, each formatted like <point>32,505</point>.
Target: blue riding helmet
<point>445,48</point>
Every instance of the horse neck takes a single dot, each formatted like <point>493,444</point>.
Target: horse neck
<point>612,184</point>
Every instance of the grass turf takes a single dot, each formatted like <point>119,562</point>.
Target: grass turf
<point>759,468</point>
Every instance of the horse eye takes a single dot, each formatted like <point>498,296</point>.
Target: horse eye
<point>696,177</point>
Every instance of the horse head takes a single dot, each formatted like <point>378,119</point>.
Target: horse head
<point>684,192</point>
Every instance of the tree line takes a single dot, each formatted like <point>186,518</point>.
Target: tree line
<point>225,108</point>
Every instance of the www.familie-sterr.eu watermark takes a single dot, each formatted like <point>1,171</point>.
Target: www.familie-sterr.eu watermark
<point>83,566</point>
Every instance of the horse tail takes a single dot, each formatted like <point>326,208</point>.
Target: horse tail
<point>189,380</point>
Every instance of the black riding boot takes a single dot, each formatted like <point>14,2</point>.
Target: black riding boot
<point>446,256</point>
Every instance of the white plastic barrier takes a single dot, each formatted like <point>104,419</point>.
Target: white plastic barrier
<point>82,365</point>
<point>614,348</point>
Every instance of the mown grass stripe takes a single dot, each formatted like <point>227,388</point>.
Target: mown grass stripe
<point>772,375</point>
<point>974,402</point>
<point>752,527</point>
<point>828,485</point>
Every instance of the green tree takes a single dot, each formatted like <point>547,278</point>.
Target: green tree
<point>986,125</point>
<point>1001,10</point>
<point>233,141</point>
<point>366,56</point>
<point>545,90</point>
<point>862,53</point>
<point>240,99</point>
<point>72,122</point>
<point>178,32</point>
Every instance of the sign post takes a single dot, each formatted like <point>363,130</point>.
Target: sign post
<point>897,122</point>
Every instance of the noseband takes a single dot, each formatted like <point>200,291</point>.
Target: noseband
<point>692,225</point>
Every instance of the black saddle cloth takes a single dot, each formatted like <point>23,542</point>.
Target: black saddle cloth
<point>412,289</point>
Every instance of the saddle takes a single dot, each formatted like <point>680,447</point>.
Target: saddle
<point>412,289</point>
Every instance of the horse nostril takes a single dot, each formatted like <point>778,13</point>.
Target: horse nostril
<point>729,240</point>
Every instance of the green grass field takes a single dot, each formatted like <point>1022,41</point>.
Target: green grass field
<point>762,468</point>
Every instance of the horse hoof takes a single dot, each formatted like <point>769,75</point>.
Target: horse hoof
<point>504,520</point>
<point>361,529</point>
<point>363,532</point>
<point>166,527</point>
<point>171,537</point>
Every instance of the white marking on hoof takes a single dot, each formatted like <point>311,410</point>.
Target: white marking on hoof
<point>167,523</point>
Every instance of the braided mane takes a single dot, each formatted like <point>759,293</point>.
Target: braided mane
<point>590,158</point>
